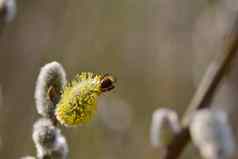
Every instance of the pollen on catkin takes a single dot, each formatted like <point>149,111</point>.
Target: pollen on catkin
<point>51,77</point>
<point>78,101</point>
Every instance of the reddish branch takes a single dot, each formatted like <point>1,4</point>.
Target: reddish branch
<point>205,92</point>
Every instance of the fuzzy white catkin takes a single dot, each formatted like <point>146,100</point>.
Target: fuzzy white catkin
<point>60,150</point>
<point>164,126</point>
<point>48,140</point>
<point>211,133</point>
<point>51,74</point>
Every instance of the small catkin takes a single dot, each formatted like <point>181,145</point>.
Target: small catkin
<point>48,140</point>
<point>211,133</point>
<point>164,126</point>
<point>51,76</point>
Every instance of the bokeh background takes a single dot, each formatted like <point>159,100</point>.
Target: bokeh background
<point>157,49</point>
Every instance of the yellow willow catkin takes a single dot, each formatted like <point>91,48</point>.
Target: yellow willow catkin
<point>78,101</point>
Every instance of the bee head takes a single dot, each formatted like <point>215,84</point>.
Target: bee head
<point>107,83</point>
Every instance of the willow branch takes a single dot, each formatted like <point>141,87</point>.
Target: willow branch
<point>205,92</point>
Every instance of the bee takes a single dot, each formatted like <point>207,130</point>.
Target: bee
<point>107,83</point>
<point>78,100</point>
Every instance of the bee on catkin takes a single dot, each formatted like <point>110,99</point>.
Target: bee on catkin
<point>79,97</point>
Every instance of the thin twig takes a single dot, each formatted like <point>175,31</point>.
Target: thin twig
<point>205,92</point>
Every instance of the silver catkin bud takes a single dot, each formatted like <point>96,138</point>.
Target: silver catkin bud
<point>51,76</point>
<point>164,126</point>
<point>211,133</point>
<point>49,141</point>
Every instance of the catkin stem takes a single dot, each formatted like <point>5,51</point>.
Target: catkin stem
<point>205,92</point>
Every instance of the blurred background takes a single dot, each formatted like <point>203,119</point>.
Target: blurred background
<point>157,49</point>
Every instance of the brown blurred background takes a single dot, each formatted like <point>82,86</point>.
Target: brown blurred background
<point>157,49</point>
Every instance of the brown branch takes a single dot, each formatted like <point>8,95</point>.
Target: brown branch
<point>205,92</point>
